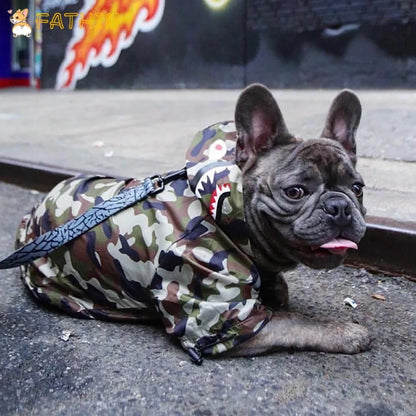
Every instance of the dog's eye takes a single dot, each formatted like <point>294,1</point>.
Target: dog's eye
<point>295,192</point>
<point>357,188</point>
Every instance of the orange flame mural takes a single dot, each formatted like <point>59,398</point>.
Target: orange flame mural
<point>102,30</point>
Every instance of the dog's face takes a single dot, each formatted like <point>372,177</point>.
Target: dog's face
<point>303,199</point>
<point>18,16</point>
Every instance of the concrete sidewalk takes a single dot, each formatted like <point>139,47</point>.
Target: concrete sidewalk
<point>137,133</point>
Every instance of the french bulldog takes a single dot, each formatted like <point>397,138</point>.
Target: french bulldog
<point>206,255</point>
<point>303,204</point>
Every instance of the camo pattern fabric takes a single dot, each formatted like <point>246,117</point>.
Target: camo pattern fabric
<point>181,255</point>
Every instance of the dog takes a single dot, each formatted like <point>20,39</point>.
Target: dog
<point>205,256</point>
<point>20,26</point>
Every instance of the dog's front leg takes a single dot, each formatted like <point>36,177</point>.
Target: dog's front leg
<point>294,331</point>
<point>273,291</point>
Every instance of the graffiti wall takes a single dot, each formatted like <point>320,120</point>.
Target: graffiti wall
<point>227,43</point>
<point>143,44</point>
<point>100,31</point>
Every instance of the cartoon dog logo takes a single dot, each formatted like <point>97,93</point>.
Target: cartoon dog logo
<point>20,26</point>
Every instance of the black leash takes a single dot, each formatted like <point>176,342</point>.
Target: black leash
<point>50,241</point>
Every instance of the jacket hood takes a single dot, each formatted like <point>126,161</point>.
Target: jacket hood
<point>217,181</point>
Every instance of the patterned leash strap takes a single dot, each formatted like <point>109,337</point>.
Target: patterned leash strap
<point>50,241</point>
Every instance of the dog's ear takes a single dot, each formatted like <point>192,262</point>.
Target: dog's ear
<point>259,124</point>
<point>25,12</point>
<point>343,120</point>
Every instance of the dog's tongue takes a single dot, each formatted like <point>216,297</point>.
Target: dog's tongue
<point>339,245</point>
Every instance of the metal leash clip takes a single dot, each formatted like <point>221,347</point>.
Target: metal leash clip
<point>159,181</point>
<point>158,184</point>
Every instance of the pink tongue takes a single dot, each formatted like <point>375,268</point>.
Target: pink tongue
<point>340,243</point>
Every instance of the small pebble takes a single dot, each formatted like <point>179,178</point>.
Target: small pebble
<point>65,335</point>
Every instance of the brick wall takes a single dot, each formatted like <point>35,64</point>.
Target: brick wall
<point>304,15</point>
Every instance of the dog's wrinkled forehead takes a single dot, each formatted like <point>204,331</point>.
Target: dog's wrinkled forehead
<point>323,157</point>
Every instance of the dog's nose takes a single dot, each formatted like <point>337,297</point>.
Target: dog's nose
<point>339,209</point>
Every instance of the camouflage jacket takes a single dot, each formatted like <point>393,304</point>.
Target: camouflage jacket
<point>181,255</point>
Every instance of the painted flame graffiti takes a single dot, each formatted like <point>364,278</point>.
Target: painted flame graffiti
<point>102,30</point>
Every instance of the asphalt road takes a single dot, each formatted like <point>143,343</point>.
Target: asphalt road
<point>123,369</point>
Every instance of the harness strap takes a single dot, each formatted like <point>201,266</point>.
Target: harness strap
<point>53,239</point>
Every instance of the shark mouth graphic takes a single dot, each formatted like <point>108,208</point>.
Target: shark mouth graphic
<point>217,200</point>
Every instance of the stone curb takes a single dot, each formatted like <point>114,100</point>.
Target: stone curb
<point>389,246</point>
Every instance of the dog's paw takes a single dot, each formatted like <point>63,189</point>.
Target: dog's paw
<point>351,339</point>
